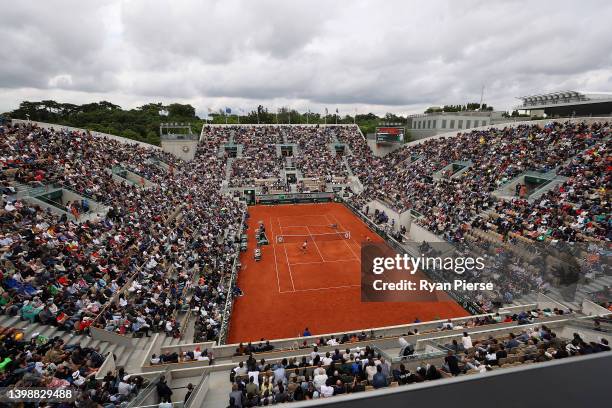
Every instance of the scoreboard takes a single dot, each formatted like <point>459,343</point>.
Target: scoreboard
<point>390,135</point>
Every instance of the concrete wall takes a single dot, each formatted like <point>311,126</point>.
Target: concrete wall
<point>593,309</point>
<point>103,335</point>
<point>546,302</point>
<point>107,365</point>
<point>416,233</point>
<point>380,206</point>
<point>176,147</point>
<point>95,209</point>
<point>133,178</point>
<point>420,234</point>
<point>476,120</point>
<point>567,332</point>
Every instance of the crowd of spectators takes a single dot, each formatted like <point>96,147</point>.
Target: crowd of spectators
<point>167,240</point>
<point>170,357</point>
<point>260,159</point>
<point>50,364</point>
<point>259,155</point>
<point>316,158</point>
<point>577,210</point>
<point>407,178</point>
<point>323,375</point>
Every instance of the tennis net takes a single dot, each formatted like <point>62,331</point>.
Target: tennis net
<point>331,236</point>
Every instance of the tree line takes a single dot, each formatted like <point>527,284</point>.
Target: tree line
<point>472,106</point>
<point>142,123</point>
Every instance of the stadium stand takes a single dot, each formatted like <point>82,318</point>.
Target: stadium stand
<point>448,205</point>
<point>102,236</point>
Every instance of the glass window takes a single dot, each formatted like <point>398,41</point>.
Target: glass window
<point>452,124</point>
<point>429,124</point>
<point>484,123</point>
<point>443,123</point>
<point>468,123</point>
<point>434,123</point>
<point>460,125</point>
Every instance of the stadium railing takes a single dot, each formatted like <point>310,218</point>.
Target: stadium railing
<point>107,365</point>
<point>199,392</point>
<point>229,301</point>
<point>496,332</point>
<point>146,392</point>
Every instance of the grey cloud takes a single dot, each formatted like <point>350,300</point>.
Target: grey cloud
<point>389,56</point>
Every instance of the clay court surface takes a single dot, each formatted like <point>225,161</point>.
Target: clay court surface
<point>319,288</point>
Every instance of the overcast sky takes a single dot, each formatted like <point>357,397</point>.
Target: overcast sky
<point>380,56</point>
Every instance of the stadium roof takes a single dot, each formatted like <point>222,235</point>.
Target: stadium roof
<point>563,98</point>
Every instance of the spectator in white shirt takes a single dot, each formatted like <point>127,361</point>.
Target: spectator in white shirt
<point>318,370</point>
<point>319,380</point>
<point>124,388</point>
<point>326,389</point>
<point>240,370</point>
<point>466,340</point>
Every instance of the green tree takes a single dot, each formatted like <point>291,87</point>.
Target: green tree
<point>180,110</point>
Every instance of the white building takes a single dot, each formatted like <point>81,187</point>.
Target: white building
<point>431,124</point>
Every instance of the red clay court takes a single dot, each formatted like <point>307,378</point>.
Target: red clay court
<point>319,288</point>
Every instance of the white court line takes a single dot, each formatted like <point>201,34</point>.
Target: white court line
<point>302,226</point>
<point>315,243</point>
<point>331,287</point>
<point>349,247</point>
<point>288,264</point>
<point>336,260</point>
<point>275,262</point>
